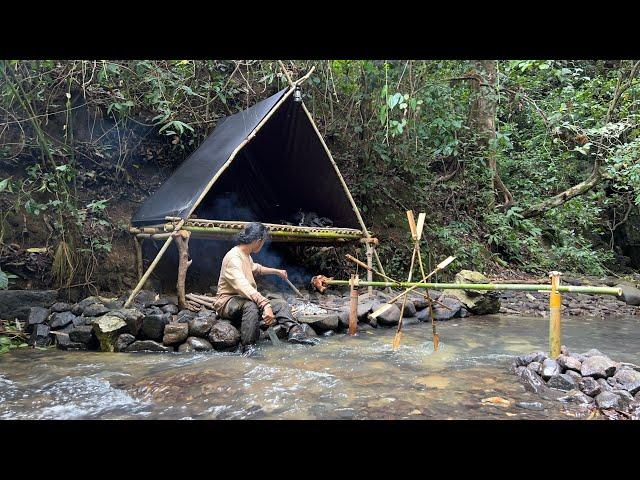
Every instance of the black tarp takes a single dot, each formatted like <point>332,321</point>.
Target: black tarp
<point>281,171</point>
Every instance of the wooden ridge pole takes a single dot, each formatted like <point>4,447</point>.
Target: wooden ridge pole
<point>151,267</point>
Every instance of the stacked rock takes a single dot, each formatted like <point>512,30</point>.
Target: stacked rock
<point>591,379</point>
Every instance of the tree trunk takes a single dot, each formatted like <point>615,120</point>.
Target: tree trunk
<point>483,117</point>
<point>182,242</point>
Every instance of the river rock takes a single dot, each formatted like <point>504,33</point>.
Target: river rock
<point>419,302</point>
<point>61,307</point>
<point>562,382</point>
<point>123,341</point>
<point>40,336</point>
<point>321,323</point>
<point>198,344</point>
<point>184,316</point>
<point>589,386</point>
<point>18,303</point>
<point>388,318</point>
<point>441,313</point>
<point>628,380</point>
<point>37,315</point>
<point>535,367</point>
<point>78,308</point>
<point>95,310</point>
<point>593,353</point>
<point>630,295</point>
<point>224,336</point>
<point>409,308</point>
<point>569,363</point>
<point>573,374</point>
<point>478,302</point>
<point>132,317</point>
<point>170,308</point>
<point>107,328</point>
<point>423,315</point>
<point>82,334</point>
<point>62,319</point>
<point>598,367</point>
<point>63,342</point>
<point>365,308</point>
<point>524,360</point>
<point>550,368</point>
<point>175,333</point>
<point>144,297</point>
<point>625,398</point>
<point>343,318</point>
<point>609,400</point>
<point>578,356</point>
<point>186,347</point>
<point>604,385</point>
<point>153,326</point>
<point>147,346</point>
<point>308,331</point>
<point>576,396</point>
<point>532,381</point>
<point>199,326</point>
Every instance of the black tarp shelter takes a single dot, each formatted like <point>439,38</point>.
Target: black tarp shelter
<point>263,164</point>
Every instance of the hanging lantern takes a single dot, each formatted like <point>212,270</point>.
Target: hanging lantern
<point>297,95</point>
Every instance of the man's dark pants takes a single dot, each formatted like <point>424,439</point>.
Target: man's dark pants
<point>246,312</point>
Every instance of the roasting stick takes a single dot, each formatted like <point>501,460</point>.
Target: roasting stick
<point>294,288</point>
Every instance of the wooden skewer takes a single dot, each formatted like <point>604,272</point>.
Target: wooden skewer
<point>294,288</point>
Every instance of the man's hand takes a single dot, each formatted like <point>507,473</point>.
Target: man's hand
<point>282,274</point>
<point>268,316</point>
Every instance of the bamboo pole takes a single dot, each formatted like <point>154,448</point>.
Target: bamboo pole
<point>489,287</point>
<point>369,248</point>
<point>555,302</point>
<point>151,267</point>
<point>231,231</point>
<point>353,305</point>
<point>153,236</point>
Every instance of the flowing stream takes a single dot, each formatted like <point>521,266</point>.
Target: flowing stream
<point>341,378</point>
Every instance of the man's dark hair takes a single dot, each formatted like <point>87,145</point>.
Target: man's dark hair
<point>252,232</point>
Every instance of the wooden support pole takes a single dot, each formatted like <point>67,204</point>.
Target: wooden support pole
<point>555,302</point>
<point>369,268</point>
<point>151,267</point>
<point>139,267</point>
<point>353,305</point>
<point>181,238</point>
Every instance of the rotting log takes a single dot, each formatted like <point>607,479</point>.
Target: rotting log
<point>181,238</point>
<point>488,286</point>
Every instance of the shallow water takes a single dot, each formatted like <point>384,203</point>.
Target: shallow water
<point>341,378</point>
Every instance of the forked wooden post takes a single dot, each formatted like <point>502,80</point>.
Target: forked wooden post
<point>152,266</point>
<point>181,238</point>
<point>353,304</point>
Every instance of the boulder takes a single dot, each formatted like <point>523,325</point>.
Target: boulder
<point>78,308</point>
<point>535,367</point>
<point>609,400</point>
<point>95,310</point>
<point>63,342</point>
<point>144,297</point>
<point>170,308</point>
<point>524,360</point>
<point>343,318</point>
<point>550,368</point>
<point>625,398</point>
<point>40,336</point>
<point>18,303</point>
<point>161,301</point>
<point>562,382</point>
<point>307,330</point>
<point>478,302</point>
<point>223,336</point>
<point>569,363</point>
<point>630,295</point>
<point>123,341</point>
<point>532,381</point>
<point>198,344</point>
<point>589,386</point>
<point>593,353</point>
<point>132,317</point>
<point>388,318</point>
<point>628,380</point>
<point>82,334</point>
<point>441,313</point>
<point>184,316</point>
<point>107,329</point>
<point>419,302</point>
<point>576,396</point>
<point>575,375</point>
<point>409,308</point>
<point>365,308</point>
<point>175,333</point>
<point>153,326</point>
<point>598,367</point>
<point>61,307</point>
<point>321,323</point>
<point>423,315</point>
<point>200,325</point>
<point>604,386</point>
<point>147,346</point>
<point>62,319</point>
<point>37,315</point>
<point>186,347</point>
